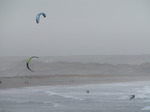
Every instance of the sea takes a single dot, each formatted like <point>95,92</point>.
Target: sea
<point>114,97</point>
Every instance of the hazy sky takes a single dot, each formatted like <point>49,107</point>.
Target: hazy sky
<point>74,27</point>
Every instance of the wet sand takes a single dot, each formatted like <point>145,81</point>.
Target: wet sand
<point>42,80</point>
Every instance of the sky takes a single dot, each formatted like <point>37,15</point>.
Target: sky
<point>74,27</point>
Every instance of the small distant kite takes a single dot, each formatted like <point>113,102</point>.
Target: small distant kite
<point>39,15</point>
<point>28,60</point>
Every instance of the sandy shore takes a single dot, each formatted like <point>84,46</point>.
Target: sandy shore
<point>41,80</point>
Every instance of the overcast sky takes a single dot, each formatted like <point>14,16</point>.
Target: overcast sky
<point>74,27</point>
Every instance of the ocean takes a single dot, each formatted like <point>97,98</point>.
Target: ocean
<point>113,97</point>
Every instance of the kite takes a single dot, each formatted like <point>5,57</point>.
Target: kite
<point>39,15</point>
<point>28,60</point>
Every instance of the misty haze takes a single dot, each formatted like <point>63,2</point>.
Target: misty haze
<point>74,56</point>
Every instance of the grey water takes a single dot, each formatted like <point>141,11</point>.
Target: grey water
<point>75,98</point>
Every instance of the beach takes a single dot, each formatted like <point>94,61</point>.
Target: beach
<point>110,97</point>
<point>75,56</point>
<point>42,80</point>
<point>75,93</point>
<point>65,86</point>
<point>72,70</point>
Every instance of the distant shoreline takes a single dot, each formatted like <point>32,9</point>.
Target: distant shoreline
<point>52,80</point>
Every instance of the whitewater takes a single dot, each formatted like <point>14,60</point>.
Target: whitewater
<point>75,98</point>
